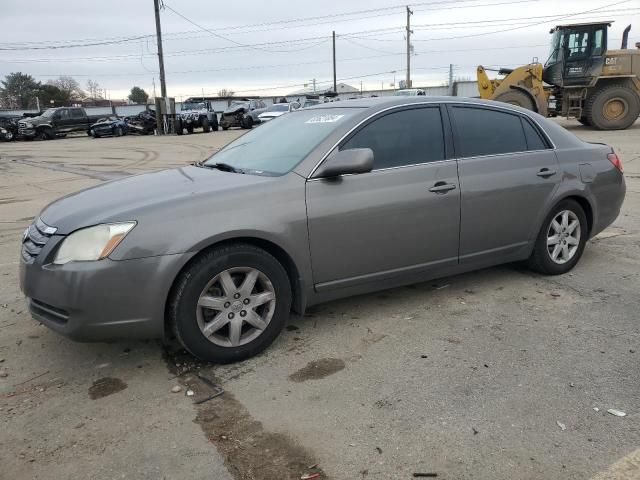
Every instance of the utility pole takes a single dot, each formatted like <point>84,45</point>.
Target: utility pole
<point>314,85</point>
<point>163,84</point>
<point>335,84</point>
<point>409,32</point>
<point>451,79</point>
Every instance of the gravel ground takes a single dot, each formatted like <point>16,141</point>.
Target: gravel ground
<point>494,374</point>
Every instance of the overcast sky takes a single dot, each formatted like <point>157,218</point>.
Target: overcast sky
<point>288,54</point>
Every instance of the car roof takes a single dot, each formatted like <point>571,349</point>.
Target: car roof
<point>385,102</point>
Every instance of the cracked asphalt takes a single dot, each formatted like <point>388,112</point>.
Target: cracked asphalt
<point>495,374</point>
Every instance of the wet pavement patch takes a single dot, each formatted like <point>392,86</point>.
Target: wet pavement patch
<point>317,370</point>
<point>291,328</point>
<point>249,451</point>
<point>103,387</point>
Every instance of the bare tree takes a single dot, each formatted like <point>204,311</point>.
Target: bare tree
<point>225,92</point>
<point>93,90</point>
<point>70,86</point>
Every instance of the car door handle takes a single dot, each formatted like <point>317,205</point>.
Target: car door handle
<point>545,172</point>
<point>442,187</point>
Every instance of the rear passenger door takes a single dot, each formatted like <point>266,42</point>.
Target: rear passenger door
<point>78,119</point>
<point>401,218</point>
<point>508,174</point>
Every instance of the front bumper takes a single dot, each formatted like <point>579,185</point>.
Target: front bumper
<point>27,132</point>
<point>231,120</point>
<point>101,300</point>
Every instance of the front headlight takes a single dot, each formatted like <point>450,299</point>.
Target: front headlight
<point>93,243</point>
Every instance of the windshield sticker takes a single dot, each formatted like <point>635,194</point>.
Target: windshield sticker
<point>324,119</point>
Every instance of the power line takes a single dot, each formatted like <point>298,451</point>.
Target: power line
<point>88,42</point>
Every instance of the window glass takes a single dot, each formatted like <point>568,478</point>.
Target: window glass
<point>578,44</point>
<point>76,113</point>
<point>597,43</point>
<point>534,141</point>
<point>487,132</point>
<point>407,137</point>
<point>64,113</point>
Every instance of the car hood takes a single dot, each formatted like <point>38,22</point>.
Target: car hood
<point>38,119</point>
<point>271,114</point>
<point>133,197</point>
<point>105,124</point>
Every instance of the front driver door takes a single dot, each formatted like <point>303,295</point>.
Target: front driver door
<point>400,219</point>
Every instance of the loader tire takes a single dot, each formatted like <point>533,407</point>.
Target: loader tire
<point>584,121</point>
<point>518,98</point>
<point>613,107</point>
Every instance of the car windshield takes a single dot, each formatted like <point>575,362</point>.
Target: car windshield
<point>279,107</point>
<point>277,147</point>
<point>193,106</point>
<point>237,103</point>
<point>48,113</point>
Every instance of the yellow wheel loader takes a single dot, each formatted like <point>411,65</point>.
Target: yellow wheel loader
<point>580,79</point>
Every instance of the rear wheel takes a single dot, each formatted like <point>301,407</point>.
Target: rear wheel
<point>179,127</point>
<point>518,98</point>
<point>205,125</point>
<point>613,107</point>
<point>561,240</point>
<point>231,303</point>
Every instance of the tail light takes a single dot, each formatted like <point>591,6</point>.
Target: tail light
<point>613,158</point>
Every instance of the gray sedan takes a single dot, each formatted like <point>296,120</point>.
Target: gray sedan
<point>327,202</point>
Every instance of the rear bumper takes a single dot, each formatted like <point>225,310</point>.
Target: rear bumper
<point>102,300</point>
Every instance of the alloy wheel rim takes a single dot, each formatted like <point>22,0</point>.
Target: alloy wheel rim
<point>236,306</point>
<point>563,237</point>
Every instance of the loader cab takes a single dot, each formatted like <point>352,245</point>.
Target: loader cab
<point>577,54</point>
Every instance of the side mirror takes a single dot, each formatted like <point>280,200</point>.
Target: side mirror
<point>346,162</point>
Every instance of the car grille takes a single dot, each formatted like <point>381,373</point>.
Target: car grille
<point>22,127</point>
<point>35,237</point>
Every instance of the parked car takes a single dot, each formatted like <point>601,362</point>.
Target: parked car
<point>311,103</point>
<point>143,123</point>
<point>196,114</point>
<point>327,202</point>
<point>410,92</point>
<point>277,110</point>
<point>8,128</point>
<point>55,122</point>
<point>113,125</point>
<point>242,113</point>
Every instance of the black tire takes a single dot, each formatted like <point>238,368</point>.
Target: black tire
<point>117,132</point>
<point>205,125</point>
<point>225,128</point>
<point>179,127</point>
<point>214,123</point>
<point>601,107</point>
<point>248,122</point>
<point>540,259</point>
<point>8,137</point>
<point>192,281</point>
<point>518,98</point>
<point>190,129</point>
<point>585,121</point>
<point>46,134</point>
<point>94,134</point>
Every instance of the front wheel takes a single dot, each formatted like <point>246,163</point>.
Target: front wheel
<point>117,131</point>
<point>561,240</point>
<point>230,304</point>
<point>205,125</point>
